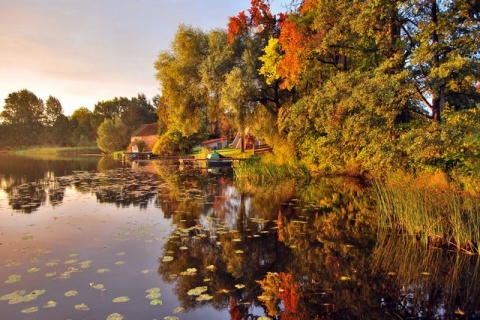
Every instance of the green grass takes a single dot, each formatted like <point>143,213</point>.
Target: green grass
<point>57,151</point>
<point>254,169</point>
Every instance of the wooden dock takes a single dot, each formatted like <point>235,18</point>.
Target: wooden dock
<point>209,163</point>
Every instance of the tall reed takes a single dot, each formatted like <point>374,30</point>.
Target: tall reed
<point>263,172</point>
<point>435,214</point>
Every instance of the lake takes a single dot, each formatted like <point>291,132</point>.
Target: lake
<point>93,238</point>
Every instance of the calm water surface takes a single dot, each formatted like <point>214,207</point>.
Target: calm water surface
<point>90,238</point>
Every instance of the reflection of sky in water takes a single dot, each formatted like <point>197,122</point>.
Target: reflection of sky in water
<point>126,241</point>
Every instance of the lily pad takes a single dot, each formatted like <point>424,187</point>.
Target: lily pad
<point>85,264</point>
<point>204,297</point>
<point>211,268</point>
<point>115,316</point>
<point>20,296</point>
<point>178,310</point>
<point>72,261</point>
<point>197,291</point>
<point>52,263</point>
<point>30,310</point>
<point>121,299</point>
<point>50,304</point>
<point>71,293</point>
<point>153,293</point>
<point>13,278</point>
<point>82,307</point>
<point>97,286</point>
<point>167,259</point>
<point>156,302</point>
<point>103,270</point>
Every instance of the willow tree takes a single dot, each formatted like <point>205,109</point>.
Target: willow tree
<point>178,71</point>
<point>214,69</point>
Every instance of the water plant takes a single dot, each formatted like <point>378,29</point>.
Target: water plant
<point>431,210</point>
<point>254,169</point>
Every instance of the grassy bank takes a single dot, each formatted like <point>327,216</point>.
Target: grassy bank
<point>57,151</point>
<point>263,171</point>
<point>431,210</point>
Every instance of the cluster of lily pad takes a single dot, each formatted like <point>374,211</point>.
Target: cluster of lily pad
<point>124,185</point>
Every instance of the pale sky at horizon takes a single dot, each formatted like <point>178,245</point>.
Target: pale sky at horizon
<point>86,51</point>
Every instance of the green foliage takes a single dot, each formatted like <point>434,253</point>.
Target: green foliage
<point>173,142</point>
<point>112,135</point>
<point>134,112</point>
<point>340,127</point>
<point>180,77</point>
<point>254,169</point>
<point>141,145</point>
<point>23,117</point>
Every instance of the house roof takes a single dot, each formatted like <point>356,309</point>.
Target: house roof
<point>148,129</point>
<point>213,140</point>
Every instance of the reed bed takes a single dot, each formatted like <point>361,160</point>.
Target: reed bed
<point>264,172</point>
<point>435,214</point>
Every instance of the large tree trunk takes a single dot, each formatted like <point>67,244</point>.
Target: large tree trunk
<point>436,99</point>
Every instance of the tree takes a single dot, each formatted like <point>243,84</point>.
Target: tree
<point>23,108</point>
<point>108,109</point>
<point>23,113</point>
<point>442,48</point>
<point>136,111</point>
<point>112,135</point>
<point>236,94</point>
<point>84,130</point>
<point>218,63</point>
<point>53,110</point>
<point>178,72</point>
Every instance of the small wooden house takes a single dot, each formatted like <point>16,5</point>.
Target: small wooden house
<point>148,133</point>
<point>215,144</point>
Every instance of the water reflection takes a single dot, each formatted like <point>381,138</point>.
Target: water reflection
<point>427,283</point>
<point>285,251</point>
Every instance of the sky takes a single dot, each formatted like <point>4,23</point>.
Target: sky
<point>86,51</point>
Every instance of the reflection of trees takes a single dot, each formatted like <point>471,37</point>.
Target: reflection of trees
<point>223,259</point>
<point>219,235</point>
<point>121,186</point>
<point>428,282</point>
<point>317,246</point>
<point>27,197</point>
<point>330,229</point>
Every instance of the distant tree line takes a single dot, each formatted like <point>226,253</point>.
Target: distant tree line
<point>26,120</point>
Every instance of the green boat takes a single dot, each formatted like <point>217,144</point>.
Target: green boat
<point>215,159</point>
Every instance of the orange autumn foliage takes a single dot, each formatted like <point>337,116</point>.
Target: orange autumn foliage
<point>292,39</point>
<point>260,18</point>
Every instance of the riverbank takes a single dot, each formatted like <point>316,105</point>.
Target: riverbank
<point>56,151</point>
